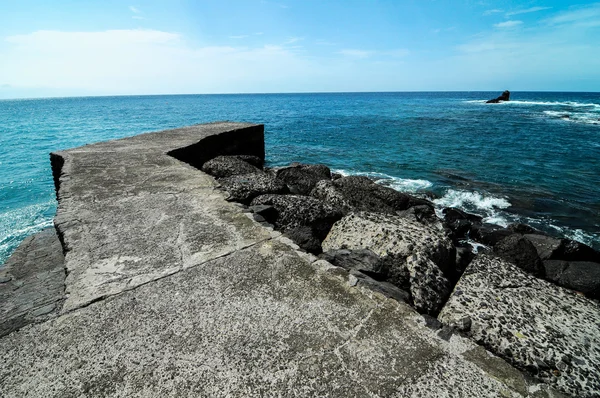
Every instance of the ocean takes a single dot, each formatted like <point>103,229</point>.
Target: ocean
<point>535,159</point>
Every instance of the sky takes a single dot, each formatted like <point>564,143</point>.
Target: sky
<point>137,47</point>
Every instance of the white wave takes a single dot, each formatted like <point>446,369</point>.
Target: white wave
<point>471,200</point>
<point>397,183</point>
<point>543,103</point>
<point>574,117</point>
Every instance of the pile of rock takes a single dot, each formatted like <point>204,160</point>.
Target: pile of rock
<point>526,296</point>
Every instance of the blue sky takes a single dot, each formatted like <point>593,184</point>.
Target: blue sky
<point>61,47</point>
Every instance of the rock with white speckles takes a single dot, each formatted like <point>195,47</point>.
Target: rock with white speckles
<point>428,285</point>
<point>550,331</point>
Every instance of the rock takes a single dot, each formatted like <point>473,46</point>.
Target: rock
<point>385,288</point>
<point>488,234</point>
<point>546,246</point>
<point>302,178</point>
<point>421,213</point>
<point>562,249</point>
<point>452,214</point>
<point>303,236</point>
<point>269,213</point>
<point>361,193</point>
<point>548,330</point>
<point>394,237</point>
<point>582,276</point>
<point>505,96</point>
<point>295,211</point>
<point>521,252</point>
<point>363,260</point>
<point>460,222</point>
<point>464,256</point>
<point>253,160</point>
<point>428,285</point>
<point>522,229</point>
<point>227,166</point>
<point>245,187</point>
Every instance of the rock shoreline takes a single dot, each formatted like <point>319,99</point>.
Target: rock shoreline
<point>527,297</point>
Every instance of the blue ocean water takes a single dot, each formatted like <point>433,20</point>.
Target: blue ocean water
<point>535,159</point>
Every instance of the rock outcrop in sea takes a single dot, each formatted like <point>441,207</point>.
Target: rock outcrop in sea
<point>505,96</point>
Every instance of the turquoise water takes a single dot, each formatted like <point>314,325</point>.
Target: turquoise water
<point>535,159</point>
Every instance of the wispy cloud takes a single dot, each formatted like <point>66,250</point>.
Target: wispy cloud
<point>237,37</point>
<point>492,12</point>
<point>362,54</point>
<point>582,17</point>
<point>527,11</point>
<point>135,10</point>
<point>508,24</point>
<point>292,40</point>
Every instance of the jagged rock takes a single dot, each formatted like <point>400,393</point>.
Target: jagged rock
<point>421,213</point>
<point>394,237</point>
<point>464,256</point>
<point>269,213</point>
<point>302,178</point>
<point>295,211</point>
<point>253,160</point>
<point>428,285</point>
<point>543,328</point>
<point>227,166</point>
<point>460,222</point>
<point>521,252</point>
<point>363,260</point>
<point>358,193</point>
<point>304,237</point>
<point>386,288</point>
<point>562,249</point>
<point>245,187</point>
<point>522,229</point>
<point>582,276</point>
<point>505,96</point>
<point>488,234</point>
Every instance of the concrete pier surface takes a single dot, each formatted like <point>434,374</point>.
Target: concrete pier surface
<point>169,290</point>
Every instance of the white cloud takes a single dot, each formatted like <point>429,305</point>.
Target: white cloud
<point>527,11</point>
<point>494,11</point>
<point>508,24</point>
<point>135,10</point>
<point>583,17</point>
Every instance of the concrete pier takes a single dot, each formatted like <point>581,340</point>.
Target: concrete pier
<point>171,291</point>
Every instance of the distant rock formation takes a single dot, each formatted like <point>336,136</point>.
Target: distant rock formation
<point>504,97</point>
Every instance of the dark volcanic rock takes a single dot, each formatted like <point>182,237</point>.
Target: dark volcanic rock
<point>253,160</point>
<point>227,166</point>
<point>428,285</point>
<point>505,96</point>
<point>521,252</point>
<point>245,187</point>
<point>304,237</point>
<point>522,229</point>
<point>488,234</point>
<point>295,211</point>
<point>302,178</point>
<point>550,248</point>
<point>460,222</point>
<point>546,246</point>
<point>582,276</point>
<point>362,260</point>
<point>361,193</point>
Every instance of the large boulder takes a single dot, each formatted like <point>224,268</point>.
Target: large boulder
<point>550,331</point>
<point>488,234</point>
<point>394,238</point>
<point>582,276</point>
<point>302,178</point>
<point>505,96</point>
<point>294,211</point>
<point>550,248</point>
<point>227,166</point>
<point>521,252</point>
<point>359,193</point>
<point>245,187</point>
<point>428,285</point>
<point>460,222</point>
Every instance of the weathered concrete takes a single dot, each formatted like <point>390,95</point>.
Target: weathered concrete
<point>32,282</point>
<point>174,292</point>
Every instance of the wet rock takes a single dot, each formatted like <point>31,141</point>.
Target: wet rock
<point>489,234</point>
<point>302,178</point>
<point>550,248</point>
<point>546,246</point>
<point>358,193</point>
<point>582,276</point>
<point>530,322</point>
<point>505,96</point>
<point>393,237</point>
<point>460,222</point>
<point>245,187</point>
<point>227,166</point>
<point>522,229</point>
<point>521,252</point>
<point>428,285</point>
